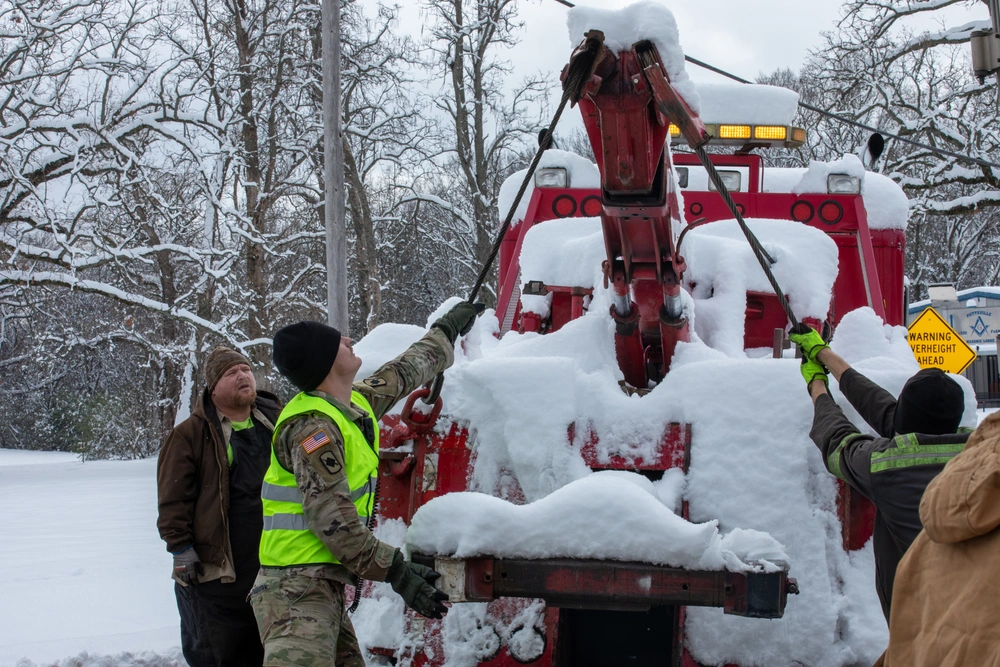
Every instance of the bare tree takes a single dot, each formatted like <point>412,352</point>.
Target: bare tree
<point>386,136</point>
<point>920,86</point>
<point>488,118</point>
<point>160,189</point>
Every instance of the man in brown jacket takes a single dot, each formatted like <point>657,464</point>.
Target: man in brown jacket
<point>209,477</point>
<point>944,605</point>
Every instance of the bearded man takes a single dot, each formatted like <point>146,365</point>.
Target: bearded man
<point>209,476</point>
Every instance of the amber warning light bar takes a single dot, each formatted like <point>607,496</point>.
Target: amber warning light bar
<point>724,134</point>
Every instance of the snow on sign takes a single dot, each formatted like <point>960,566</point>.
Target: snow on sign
<point>936,345</point>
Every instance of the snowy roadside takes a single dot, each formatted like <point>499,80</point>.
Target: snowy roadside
<point>86,574</point>
<point>983,413</point>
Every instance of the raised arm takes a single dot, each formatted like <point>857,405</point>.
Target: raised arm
<point>420,362</point>
<point>875,405</point>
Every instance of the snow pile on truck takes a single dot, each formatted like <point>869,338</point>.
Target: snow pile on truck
<point>758,104</point>
<point>886,204</point>
<point>753,468</point>
<point>580,172</point>
<point>547,414</point>
<point>637,22</point>
<point>609,515</point>
<point>722,269</point>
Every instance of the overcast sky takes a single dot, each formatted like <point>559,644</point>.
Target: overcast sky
<point>744,37</point>
<point>740,36</point>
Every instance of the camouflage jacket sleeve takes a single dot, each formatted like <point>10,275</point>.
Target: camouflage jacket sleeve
<point>326,497</point>
<point>417,365</point>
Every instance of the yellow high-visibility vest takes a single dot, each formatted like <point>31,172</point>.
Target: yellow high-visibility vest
<point>286,539</point>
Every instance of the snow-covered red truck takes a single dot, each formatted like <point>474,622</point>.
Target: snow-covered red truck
<point>634,338</point>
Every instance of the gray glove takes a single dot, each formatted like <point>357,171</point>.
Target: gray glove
<point>414,583</point>
<point>187,567</point>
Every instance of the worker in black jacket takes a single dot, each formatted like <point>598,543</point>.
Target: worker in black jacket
<point>917,435</point>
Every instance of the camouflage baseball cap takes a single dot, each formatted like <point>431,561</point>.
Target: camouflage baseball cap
<point>219,361</point>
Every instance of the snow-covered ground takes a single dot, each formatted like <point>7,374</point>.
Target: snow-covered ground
<point>984,413</point>
<point>84,568</point>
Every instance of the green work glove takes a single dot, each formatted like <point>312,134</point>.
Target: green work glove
<point>813,370</point>
<point>458,321</point>
<point>808,340</point>
<point>414,583</point>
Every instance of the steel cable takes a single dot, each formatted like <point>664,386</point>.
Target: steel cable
<point>571,86</point>
<point>759,252</point>
<point>542,144</point>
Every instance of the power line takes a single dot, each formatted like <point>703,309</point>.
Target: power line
<point>938,151</point>
<point>943,152</point>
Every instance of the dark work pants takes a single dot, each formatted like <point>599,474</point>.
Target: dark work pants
<point>230,627</point>
<point>220,629</point>
<point>196,652</point>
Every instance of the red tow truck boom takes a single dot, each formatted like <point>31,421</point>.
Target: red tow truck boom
<point>609,612</point>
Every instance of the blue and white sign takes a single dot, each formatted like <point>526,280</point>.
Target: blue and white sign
<point>977,326</point>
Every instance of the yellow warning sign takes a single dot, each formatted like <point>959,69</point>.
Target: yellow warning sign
<point>936,345</point>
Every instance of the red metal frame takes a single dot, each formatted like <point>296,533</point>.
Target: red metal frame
<point>615,585</point>
<point>871,262</point>
<point>627,109</point>
<point>627,106</point>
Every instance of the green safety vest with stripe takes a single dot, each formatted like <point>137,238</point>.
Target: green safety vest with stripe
<point>905,452</point>
<point>286,539</point>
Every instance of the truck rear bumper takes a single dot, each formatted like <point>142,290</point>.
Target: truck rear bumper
<point>612,585</point>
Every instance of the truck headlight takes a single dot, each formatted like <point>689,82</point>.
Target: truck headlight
<point>551,177</point>
<point>731,179</point>
<point>842,184</point>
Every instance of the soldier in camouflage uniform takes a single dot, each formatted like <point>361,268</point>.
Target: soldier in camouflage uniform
<point>319,492</point>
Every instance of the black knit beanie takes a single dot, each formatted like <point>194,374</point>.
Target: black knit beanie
<point>931,402</point>
<point>305,352</point>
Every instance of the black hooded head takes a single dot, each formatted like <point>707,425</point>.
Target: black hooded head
<point>931,402</point>
<point>304,353</point>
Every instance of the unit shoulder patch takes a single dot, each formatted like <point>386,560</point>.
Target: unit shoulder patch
<point>319,438</point>
<point>330,462</point>
<point>375,382</point>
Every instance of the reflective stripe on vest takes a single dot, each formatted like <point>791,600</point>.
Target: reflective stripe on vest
<point>908,452</point>
<point>287,539</point>
<point>833,460</point>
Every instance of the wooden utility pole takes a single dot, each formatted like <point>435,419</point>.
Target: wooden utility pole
<point>333,171</point>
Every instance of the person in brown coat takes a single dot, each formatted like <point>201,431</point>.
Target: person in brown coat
<point>209,477</point>
<point>944,604</point>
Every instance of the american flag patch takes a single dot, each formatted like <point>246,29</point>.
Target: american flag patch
<point>315,441</point>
